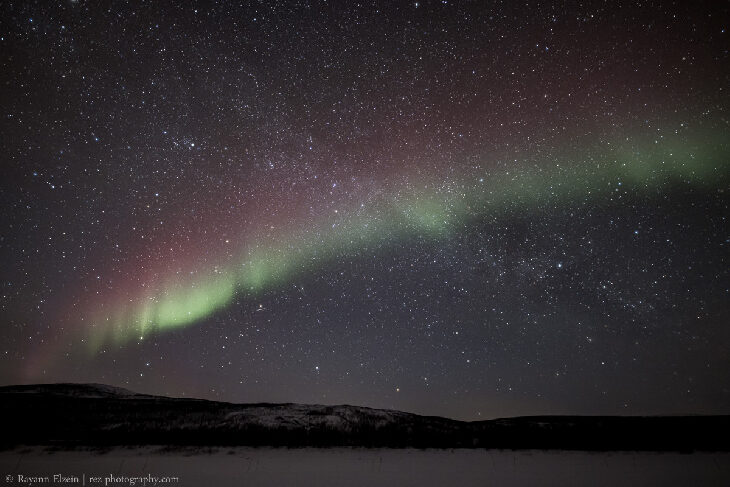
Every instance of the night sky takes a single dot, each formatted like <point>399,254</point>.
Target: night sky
<point>467,209</point>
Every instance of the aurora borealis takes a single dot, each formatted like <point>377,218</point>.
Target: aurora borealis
<point>419,211</point>
<point>465,209</point>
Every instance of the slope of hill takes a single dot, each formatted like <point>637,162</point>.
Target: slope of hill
<point>98,415</point>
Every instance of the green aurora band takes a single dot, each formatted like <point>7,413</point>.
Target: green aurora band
<point>434,210</point>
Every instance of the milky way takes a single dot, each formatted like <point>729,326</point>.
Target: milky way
<point>465,209</point>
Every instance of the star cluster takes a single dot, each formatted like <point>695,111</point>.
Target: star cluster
<point>470,209</point>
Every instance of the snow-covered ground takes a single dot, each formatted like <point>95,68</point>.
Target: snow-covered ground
<point>363,467</point>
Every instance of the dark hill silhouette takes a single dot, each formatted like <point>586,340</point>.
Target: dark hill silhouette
<point>100,415</point>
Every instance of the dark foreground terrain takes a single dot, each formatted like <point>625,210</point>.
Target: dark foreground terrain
<point>70,415</point>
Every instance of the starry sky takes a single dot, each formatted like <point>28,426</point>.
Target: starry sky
<point>467,209</point>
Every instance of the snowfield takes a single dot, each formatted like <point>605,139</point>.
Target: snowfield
<point>244,466</point>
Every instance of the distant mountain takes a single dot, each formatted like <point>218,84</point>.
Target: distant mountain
<point>74,390</point>
<point>101,415</point>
